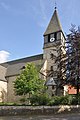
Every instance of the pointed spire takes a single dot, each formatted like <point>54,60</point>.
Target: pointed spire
<point>54,25</point>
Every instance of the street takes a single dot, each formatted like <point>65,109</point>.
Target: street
<point>44,117</point>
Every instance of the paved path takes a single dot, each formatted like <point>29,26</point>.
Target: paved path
<point>52,117</point>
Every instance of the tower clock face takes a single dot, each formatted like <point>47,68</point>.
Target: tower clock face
<point>52,39</point>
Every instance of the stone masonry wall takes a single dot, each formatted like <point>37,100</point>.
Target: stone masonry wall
<point>38,110</point>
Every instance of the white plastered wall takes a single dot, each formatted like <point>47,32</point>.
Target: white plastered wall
<point>3,84</point>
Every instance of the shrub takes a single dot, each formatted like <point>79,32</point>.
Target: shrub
<point>22,100</point>
<point>41,99</point>
<point>55,101</point>
<point>77,99</point>
<point>64,100</point>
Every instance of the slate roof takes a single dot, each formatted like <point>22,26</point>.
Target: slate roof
<point>54,24</point>
<point>14,67</point>
<point>51,82</point>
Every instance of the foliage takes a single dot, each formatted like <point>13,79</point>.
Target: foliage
<point>69,63</point>
<point>8,104</point>
<point>54,101</point>
<point>23,100</point>
<point>40,99</point>
<point>43,99</point>
<point>65,100</point>
<point>28,82</point>
<point>73,53</point>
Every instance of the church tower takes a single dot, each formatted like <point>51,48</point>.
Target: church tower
<point>54,42</point>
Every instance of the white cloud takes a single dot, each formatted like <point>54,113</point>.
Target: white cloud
<point>4,55</point>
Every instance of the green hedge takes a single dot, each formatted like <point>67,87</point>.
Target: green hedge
<point>43,99</point>
<point>65,100</point>
<point>56,100</point>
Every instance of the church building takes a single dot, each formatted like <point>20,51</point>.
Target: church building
<point>54,42</point>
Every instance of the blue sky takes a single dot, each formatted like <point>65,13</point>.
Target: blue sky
<point>23,22</point>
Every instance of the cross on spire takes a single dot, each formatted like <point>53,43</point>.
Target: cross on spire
<point>55,5</point>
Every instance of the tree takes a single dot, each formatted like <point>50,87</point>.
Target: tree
<point>69,65</point>
<point>28,82</point>
<point>74,57</point>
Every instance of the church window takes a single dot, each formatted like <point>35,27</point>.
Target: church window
<point>52,87</point>
<point>49,38</point>
<point>23,67</point>
<point>51,56</point>
<point>52,94</point>
<point>51,68</point>
<point>55,36</point>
